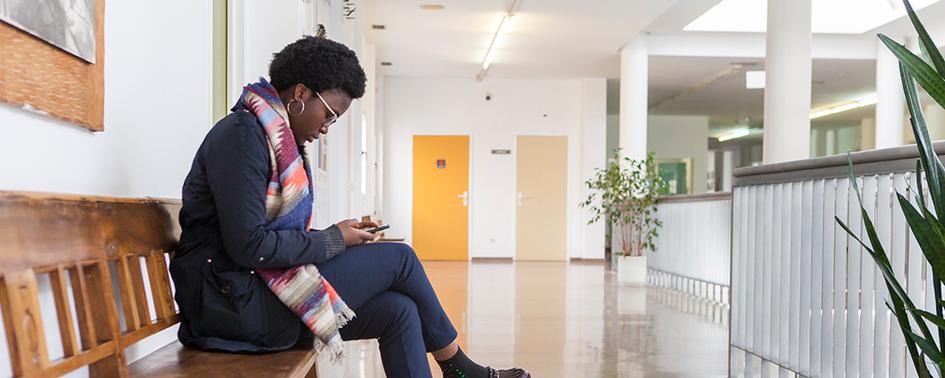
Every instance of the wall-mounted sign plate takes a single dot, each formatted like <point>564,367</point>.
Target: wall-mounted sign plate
<point>501,152</point>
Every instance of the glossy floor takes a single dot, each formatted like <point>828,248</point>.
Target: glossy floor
<point>566,320</point>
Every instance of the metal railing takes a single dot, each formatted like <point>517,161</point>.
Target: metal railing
<point>807,299</point>
<point>693,248</point>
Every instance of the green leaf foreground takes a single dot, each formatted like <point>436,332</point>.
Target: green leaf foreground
<point>928,230</point>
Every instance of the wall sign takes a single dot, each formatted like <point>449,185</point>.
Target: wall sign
<point>501,152</point>
<point>441,163</point>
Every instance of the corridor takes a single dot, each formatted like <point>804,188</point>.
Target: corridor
<point>567,320</point>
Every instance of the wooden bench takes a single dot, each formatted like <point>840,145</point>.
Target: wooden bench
<point>94,248</point>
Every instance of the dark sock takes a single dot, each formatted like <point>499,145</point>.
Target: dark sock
<point>460,366</point>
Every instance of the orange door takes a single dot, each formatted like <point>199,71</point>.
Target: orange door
<point>440,197</point>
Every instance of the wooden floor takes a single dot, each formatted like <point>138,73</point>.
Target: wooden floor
<point>566,320</point>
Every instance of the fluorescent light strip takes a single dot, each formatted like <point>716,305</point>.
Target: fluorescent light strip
<point>503,25</point>
<point>864,102</point>
<point>495,42</point>
<point>734,134</point>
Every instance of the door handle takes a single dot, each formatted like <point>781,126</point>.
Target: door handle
<point>465,197</point>
<point>522,197</point>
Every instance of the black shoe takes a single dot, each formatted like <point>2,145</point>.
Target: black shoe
<point>508,373</point>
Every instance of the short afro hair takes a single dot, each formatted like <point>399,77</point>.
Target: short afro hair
<point>319,63</point>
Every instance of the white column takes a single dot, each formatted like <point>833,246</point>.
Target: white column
<point>815,138</point>
<point>593,143</point>
<point>867,134</point>
<point>787,81</point>
<point>890,110</point>
<point>633,100</point>
<point>727,170</point>
<point>710,173</point>
<point>830,139</point>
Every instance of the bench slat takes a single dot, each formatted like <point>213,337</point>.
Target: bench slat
<point>82,308</point>
<point>128,298</point>
<point>137,283</point>
<point>23,321</point>
<point>59,283</point>
<point>83,358</point>
<point>99,283</point>
<point>176,360</point>
<point>160,285</point>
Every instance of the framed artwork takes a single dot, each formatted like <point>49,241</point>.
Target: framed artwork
<point>68,25</point>
<point>677,173</point>
<point>52,58</point>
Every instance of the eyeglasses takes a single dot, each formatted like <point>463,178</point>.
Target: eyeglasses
<point>334,116</point>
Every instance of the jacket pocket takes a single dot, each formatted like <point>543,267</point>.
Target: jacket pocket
<point>231,308</point>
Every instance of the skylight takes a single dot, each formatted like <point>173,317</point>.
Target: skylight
<point>827,16</point>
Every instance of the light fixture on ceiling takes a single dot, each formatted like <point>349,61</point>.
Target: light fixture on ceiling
<point>754,79</point>
<point>490,54</point>
<point>432,7</point>
<point>734,134</point>
<point>855,104</point>
<point>495,41</point>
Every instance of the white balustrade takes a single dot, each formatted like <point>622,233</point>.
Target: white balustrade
<point>693,249</point>
<point>807,299</point>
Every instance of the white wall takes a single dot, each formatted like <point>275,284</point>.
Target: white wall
<point>681,137</point>
<point>268,26</point>
<point>455,106</point>
<point>157,110</point>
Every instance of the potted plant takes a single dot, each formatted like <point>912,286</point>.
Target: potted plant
<point>625,194</point>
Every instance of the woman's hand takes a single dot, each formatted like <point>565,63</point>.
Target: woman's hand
<point>352,231</point>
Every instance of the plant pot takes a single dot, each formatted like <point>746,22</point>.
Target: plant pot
<point>631,270</point>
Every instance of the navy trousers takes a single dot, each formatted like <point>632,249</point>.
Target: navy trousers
<point>394,302</point>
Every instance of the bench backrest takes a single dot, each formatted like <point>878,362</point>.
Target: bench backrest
<point>100,254</point>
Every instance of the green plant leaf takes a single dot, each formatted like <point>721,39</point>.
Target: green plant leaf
<point>934,171</point>
<point>927,233</point>
<point>928,47</point>
<point>928,347</point>
<point>918,68</point>
<point>902,319</point>
<point>918,180</point>
<point>932,318</point>
<point>882,262</point>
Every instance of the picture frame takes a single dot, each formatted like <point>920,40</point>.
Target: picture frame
<point>41,78</point>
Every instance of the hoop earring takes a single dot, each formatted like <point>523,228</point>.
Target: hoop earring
<point>288,107</point>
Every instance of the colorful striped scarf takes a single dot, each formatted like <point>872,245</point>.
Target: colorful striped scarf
<point>289,206</point>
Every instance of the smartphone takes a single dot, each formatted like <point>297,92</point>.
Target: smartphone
<point>378,228</point>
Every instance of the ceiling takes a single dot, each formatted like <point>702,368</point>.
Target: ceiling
<point>546,39</point>
<point>573,39</point>
<point>726,100</point>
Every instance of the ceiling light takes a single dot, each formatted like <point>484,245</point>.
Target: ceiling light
<point>487,61</point>
<point>490,54</point>
<point>734,134</point>
<point>827,16</point>
<point>434,7</point>
<point>755,79</point>
<point>856,104</point>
